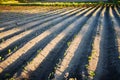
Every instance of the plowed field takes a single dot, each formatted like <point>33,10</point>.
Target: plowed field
<point>63,44</point>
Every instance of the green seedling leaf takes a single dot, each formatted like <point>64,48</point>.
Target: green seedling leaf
<point>9,51</point>
<point>92,73</point>
<point>15,48</point>
<point>3,40</point>
<point>68,43</point>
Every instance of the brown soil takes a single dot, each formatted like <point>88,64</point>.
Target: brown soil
<point>60,43</point>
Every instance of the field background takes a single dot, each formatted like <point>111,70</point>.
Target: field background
<point>56,39</point>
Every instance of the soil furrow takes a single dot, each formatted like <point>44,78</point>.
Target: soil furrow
<point>84,50</point>
<point>116,27</point>
<point>63,14</point>
<point>24,21</point>
<point>28,52</point>
<point>108,63</point>
<point>94,55</point>
<point>31,17</point>
<point>55,46</point>
<point>65,44</point>
<point>116,14</point>
<point>117,10</point>
<point>26,27</point>
<point>33,34</point>
<point>69,63</point>
<point>17,30</point>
